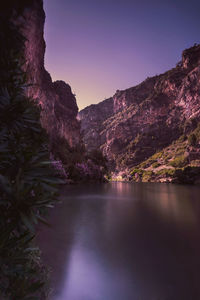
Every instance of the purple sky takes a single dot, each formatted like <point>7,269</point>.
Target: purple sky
<point>99,46</point>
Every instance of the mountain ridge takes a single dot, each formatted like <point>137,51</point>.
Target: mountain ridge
<point>148,117</point>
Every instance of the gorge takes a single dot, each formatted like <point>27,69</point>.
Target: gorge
<point>129,239</point>
<point>136,128</point>
<point>144,120</point>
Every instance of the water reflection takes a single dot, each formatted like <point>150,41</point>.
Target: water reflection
<point>125,241</point>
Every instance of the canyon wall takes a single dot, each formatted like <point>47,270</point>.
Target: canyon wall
<point>58,104</point>
<point>140,121</point>
<point>129,127</point>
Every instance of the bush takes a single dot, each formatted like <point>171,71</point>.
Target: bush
<point>157,155</point>
<point>167,172</point>
<point>138,171</point>
<point>27,182</point>
<point>179,162</point>
<point>155,165</point>
<point>192,140</point>
<point>182,138</point>
<point>146,176</point>
<point>97,157</point>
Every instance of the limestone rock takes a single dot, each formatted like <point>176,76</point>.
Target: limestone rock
<point>137,122</point>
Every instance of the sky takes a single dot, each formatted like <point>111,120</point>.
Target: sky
<point>100,46</point>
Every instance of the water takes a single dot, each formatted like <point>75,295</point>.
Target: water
<point>124,241</point>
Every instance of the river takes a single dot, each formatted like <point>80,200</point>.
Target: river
<point>124,241</point>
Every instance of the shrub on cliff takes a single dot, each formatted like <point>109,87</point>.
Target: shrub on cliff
<point>192,140</point>
<point>179,161</point>
<point>79,164</point>
<point>61,150</point>
<point>155,165</point>
<point>166,172</point>
<point>97,157</point>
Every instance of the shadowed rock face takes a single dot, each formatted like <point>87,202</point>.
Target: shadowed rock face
<point>92,119</point>
<point>58,104</point>
<point>137,122</point>
<point>59,108</point>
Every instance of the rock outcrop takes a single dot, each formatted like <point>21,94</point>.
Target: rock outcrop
<point>92,119</point>
<point>137,122</point>
<point>59,108</point>
<point>58,104</point>
<point>129,127</point>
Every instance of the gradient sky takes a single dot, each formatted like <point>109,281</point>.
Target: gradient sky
<point>99,46</point>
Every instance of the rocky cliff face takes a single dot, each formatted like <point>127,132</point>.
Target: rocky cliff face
<point>137,122</point>
<point>92,120</point>
<point>59,108</point>
<point>58,104</point>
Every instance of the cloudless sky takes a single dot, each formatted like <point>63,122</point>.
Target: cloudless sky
<point>99,46</point>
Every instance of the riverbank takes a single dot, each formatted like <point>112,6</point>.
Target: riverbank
<point>176,163</point>
<point>187,175</point>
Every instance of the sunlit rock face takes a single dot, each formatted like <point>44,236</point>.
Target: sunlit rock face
<point>137,122</point>
<point>59,108</point>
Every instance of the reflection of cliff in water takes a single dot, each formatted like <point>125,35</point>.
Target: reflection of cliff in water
<point>169,201</point>
<point>56,241</point>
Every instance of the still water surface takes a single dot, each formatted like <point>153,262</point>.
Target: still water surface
<point>124,241</point>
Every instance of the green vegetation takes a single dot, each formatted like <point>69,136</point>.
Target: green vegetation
<point>166,172</point>
<point>28,185</point>
<point>192,139</point>
<point>157,155</point>
<point>155,165</point>
<point>179,162</point>
<point>138,171</point>
<point>172,161</point>
<point>141,174</point>
<point>79,164</point>
<point>147,175</point>
<point>182,138</point>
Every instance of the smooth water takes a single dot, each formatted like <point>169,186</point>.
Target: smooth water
<point>124,241</point>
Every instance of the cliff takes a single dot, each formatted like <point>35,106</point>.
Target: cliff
<point>58,104</point>
<point>138,122</point>
<point>92,119</point>
<point>129,127</point>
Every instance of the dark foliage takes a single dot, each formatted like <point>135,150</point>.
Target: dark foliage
<point>79,164</point>
<point>192,139</point>
<point>27,182</point>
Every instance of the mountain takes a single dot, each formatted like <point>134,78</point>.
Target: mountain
<point>138,122</point>
<point>130,128</point>
<point>58,104</point>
